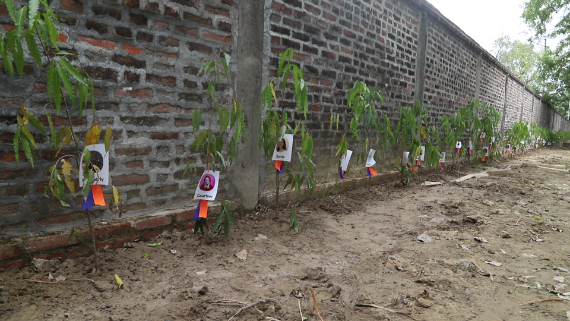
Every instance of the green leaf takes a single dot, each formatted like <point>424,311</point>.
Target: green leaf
<point>18,54</point>
<point>33,5</point>
<point>10,7</point>
<point>293,220</point>
<point>219,144</point>
<point>33,46</point>
<point>200,140</point>
<point>20,20</point>
<point>16,140</point>
<point>72,70</point>
<point>66,83</point>
<point>37,124</point>
<point>196,119</point>
<point>108,135</point>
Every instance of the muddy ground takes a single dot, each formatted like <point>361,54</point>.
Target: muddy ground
<point>352,250</point>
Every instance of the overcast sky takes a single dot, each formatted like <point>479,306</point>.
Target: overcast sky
<point>485,20</point>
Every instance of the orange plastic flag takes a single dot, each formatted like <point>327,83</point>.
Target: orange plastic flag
<point>98,197</point>
<point>203,209</point>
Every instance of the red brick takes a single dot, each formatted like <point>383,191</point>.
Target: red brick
<point>216,37</point>
<point>62,37</point>
<point>169,12</point>
<point>105,244</point>
<point>153,222</point>
<point>153,191</point>
<point>78,251</point>
<point>165,108</point>
<point>168,41</point>
<point>9,251</point>
<point>9,157</point>
<point>169,55</point>
<point>187,31</point>
<point>138,93</point>
<point>132,151</point>
<point>166,81</point>
<point>11,102</point>
<point>8,27</point>
<point>164,136</point>
<point>50,242</point>
<point>17,264</point>
<point>61,219</point>
<point>121,242</point>
<point>132,49</point>
<point>72,5</point>
<point>15,190</point>
<point>110,231</point>
<point>131,3</point>
<point>131,179</point>
<point>3,10</point>
<point>182,122</point>
<point>9,209</point>
<point>185,215</point>
<point>99,43</point>
<point>134,164</point>
<point>218,11</point>
<point>228,2</point>
<point>58,255</point>
<point>151,234</point>
<point>10,174</point>
<point>40,87</point>
<point>161,25</point>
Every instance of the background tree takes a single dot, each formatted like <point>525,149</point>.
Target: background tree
<point>521,58</point>
<point>549,18</point>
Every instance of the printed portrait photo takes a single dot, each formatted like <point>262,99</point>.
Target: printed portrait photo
<point>282,146</point>
<point>207,182</point>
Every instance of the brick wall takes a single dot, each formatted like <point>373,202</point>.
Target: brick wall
<point>144,56</point>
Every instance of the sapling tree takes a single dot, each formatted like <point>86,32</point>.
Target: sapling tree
<point>218,144</point>
<point>70,91</point>
<point>408,134</point>
<point>365,127</point>
<point>279,120</point>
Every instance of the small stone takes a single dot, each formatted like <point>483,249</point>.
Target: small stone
<point>425,238</point>
<point>203,290</point>
<point>424,303</point>
<point>260,237</point>
<point>506,235</point>
<point>559,279</point>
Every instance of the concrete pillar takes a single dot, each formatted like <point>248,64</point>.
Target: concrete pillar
<point>244,175</point>
<point>421,58</point>
<point>505,104</point>
<point>479,71</point>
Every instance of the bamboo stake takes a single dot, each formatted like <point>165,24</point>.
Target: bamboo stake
<point>542,300</point>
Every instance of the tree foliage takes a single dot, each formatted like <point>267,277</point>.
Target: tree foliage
<point>521,58</point>
<point>550,18</point>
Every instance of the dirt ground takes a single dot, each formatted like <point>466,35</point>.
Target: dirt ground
<point>353,251</point>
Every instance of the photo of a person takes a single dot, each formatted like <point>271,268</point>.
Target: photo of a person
<point>282,146</point>
<point>208,182</point>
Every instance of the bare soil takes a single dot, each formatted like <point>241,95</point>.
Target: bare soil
<point>353,250</point>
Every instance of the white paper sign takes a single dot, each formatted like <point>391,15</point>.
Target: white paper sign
<point>458,144</point>
<point>405,158</point>
<point>345,159</point>
<point>284,149</point>
<point>208,186</point>
<point>370,160</point>
<point>492,139</point>
<point>422,155</point>
<point>483,135</point>
<point>486,151</point>
<point>100,159</point>
<point>442,157</point>
<point>508,148</point>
